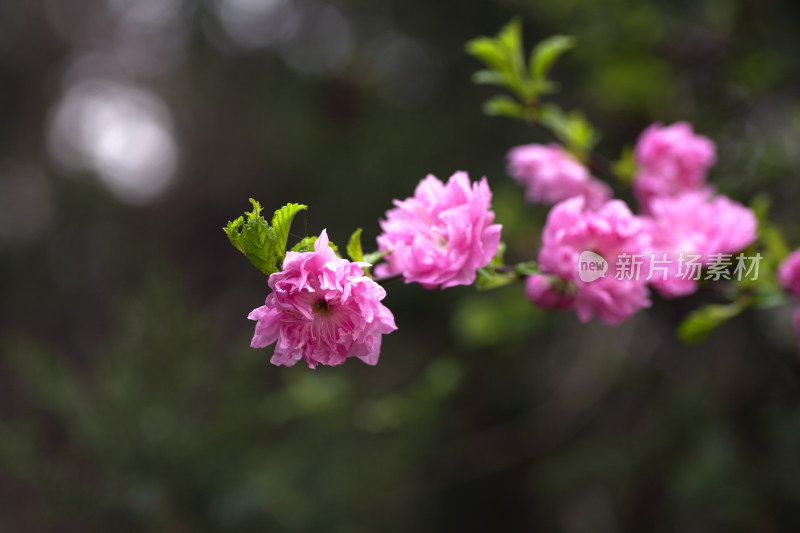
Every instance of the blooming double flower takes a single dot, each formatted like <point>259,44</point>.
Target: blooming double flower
<point>696,226</point>
<point>441,235</point>
<point>670,160</point>
<point>322,309</point>
<point>610,231</point>
<point>551,175</point>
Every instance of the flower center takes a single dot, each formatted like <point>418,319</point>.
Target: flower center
<point>438,239</point>
<point>322,307</point>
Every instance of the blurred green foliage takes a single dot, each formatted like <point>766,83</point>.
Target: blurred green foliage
<point>131,400</point>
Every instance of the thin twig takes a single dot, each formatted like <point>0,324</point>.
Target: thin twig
<point>499,269</point>
<point>386,279</point>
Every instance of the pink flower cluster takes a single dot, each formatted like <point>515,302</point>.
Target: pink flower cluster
<point>441,235</point>
<point>551,175</point>
<point>681,215</point>
<point>670,160</point>
<point>611,230</point>
<point>789,278</point>
<point>322,309</point>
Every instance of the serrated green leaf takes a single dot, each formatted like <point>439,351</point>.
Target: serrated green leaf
<point>701,322</point>
<point>262,244</point>
<point>354,247</point>
<point>255,213</point>
<point>281,222</point>
<point>546,53</point>
<point>255,239</point>
<point>232,231</point>
<point>305,245</point>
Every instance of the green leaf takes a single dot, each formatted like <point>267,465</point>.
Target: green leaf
<point>497,260</point>
<point>546,53</point>
<point>488,51</point>
<point>625,167</point>
<point>760,205</point>
<point>305,245</point>
<point>581,134</point>
<point>354,247</point>
<point>527,268</point>
<point>488,278</point>
<point>255,213</point>
<point>281,221</point>
<point>572,129</point>
<point>263,245</point>
<point>255,239</point>
<point>540,87</point>
<point>374,257</point>
<point>503,105</point>
<point>701,322</point>
<point>489,77</point>
<point>774,243</point>
<point>510,37</point>
<point>232,231</point>
<point>504,57</point>
<point>554,118</point>
<point>770,235</point>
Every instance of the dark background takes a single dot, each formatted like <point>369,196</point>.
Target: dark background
<point>130,132</point>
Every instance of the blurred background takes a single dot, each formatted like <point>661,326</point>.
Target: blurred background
<point>132,131</point>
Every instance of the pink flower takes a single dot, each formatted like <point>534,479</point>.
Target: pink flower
<point>610,231</point>
<point>670,160</point>
<point>611,300</point>
<point>789,274</point>
<point>441,235</point>
<point>690,228</point>
<point>548,292</point>
<point>322,309</point>
<point>551,175</point>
